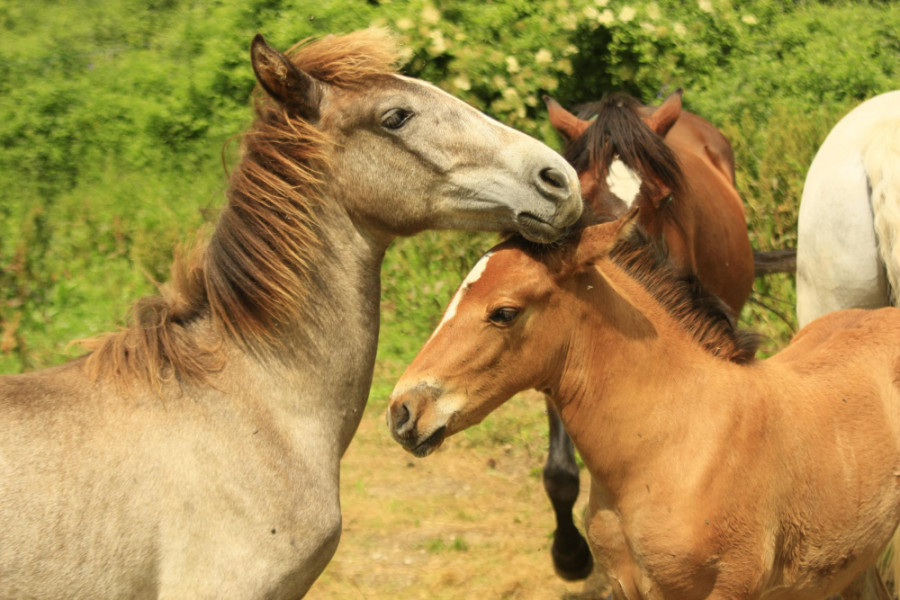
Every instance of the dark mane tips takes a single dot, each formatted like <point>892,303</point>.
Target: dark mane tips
<point>617,130</point>
<point>702,313</point>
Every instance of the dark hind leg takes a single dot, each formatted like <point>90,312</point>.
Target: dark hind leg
<point>571,555</point>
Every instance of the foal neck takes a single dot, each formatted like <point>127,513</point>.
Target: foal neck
<point>637,374</point>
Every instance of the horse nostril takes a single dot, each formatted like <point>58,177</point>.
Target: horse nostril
<point>554,178</point>
<point>399,415</point>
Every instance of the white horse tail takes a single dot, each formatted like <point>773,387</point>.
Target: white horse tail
<point>881,161</point>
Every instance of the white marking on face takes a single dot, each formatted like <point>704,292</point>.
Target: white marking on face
<point>623,182</point>
<point>473,276</point>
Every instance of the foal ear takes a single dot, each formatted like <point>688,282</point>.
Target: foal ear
<point>566,124</point>
<point>665,114</point>
<point>283,81</point>
<point>598,241</point>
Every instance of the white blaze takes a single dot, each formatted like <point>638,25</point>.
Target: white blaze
<point>473,276</point>
<point>623,182</point>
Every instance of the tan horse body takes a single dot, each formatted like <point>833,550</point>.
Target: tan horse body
<point>196,453</point>
<point>714,475</point>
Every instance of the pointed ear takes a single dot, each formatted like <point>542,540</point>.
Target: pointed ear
<point>283,81</point>
<point>598,241</point>
<point>665,114</point>
<point>566,124</point>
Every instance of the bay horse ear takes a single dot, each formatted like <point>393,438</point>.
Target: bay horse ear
<point>665,115</point>
<point>283,81</point>
<point>598,241</point>
<point>565,123</point>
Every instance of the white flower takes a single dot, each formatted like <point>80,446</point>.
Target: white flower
<point>627,13</point>
<point>606,18</point>
<point>438,45</point>
<point>462,82</point>
<point>750,19</point>
<point>512,65</point>
<point>705,5</point>
<point>431,15</point>
<point>543,57</point>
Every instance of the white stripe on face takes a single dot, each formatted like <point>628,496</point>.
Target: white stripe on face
<point>623,182</point>
<point>473,276</point>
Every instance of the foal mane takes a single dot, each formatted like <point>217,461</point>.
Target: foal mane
<point>617,130</point>
<point>701,313</point>
<point>255,276</point>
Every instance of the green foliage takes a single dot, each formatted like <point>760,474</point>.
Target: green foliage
<point>113,117</point>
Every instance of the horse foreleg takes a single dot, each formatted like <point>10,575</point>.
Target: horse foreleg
<point>571,556</point>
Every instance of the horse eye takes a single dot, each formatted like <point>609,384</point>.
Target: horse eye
<point>396,118</point>
<point>503,315</point>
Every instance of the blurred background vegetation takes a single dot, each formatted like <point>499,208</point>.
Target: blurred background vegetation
<point>114,116</point>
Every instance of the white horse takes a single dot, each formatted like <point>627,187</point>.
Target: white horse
<point>848,246</point>
<point>196,453</point>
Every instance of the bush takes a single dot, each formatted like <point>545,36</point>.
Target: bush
<point>113,115</point>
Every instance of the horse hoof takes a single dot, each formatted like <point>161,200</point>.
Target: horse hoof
<point>575,565</point>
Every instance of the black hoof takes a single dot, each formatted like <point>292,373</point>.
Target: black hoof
<point>573,564</point>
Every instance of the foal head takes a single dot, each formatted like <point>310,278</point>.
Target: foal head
<point>506,330</point>
<point>529,316</point>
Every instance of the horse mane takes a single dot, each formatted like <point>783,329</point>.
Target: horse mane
<point>701,312</point>
<point>617,130</point>
<point>255,275</point>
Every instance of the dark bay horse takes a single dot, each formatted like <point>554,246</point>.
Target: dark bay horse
<point>679,170</point>
<point>713,475</point>
<point>196,453</point>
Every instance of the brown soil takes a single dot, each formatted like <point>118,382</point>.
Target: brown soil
<point>470,521</point>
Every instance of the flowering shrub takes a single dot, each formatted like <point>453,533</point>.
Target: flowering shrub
<point>113,114</point>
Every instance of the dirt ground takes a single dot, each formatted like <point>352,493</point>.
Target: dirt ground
<point>469,521</point>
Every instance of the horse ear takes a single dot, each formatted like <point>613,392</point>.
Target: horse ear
<point>283,81</point>
<point>598,241</point>
<point>566,124</point>
<point>665,114</point>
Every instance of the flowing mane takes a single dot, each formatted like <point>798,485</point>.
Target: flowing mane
<point>617,130</point>
<point>255,273</point>
<point>701,313</point>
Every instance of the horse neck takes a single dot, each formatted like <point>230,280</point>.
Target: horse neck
<point>633,375</point>
<point>322,378</point>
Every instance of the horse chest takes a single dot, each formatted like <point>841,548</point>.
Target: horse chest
<point>655,554</point>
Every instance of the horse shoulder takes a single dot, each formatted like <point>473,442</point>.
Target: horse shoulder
<point>201,490</point>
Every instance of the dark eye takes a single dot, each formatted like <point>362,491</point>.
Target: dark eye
<point>396,118</point>
<point>503,315</point>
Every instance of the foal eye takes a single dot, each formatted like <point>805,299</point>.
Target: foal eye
<point>396,118</point>
<point>503,315</point>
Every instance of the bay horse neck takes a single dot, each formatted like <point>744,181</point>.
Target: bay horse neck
<point>687,199</point>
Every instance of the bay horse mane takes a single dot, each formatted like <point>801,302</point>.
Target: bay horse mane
<point>617,130</point>
<point>254,275</point>
<point>703,314</point>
